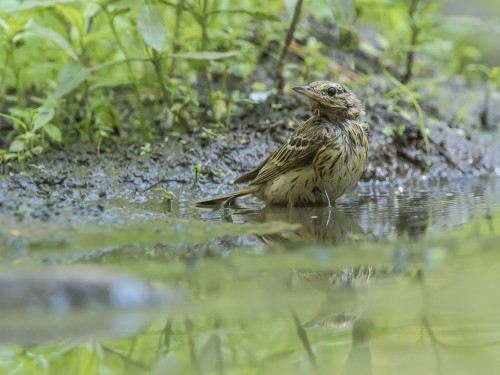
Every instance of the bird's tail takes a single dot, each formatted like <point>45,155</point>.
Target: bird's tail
<point>220,199</point>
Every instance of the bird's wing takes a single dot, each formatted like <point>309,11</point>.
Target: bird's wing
<point>249,176</point>
<point>298,150</point>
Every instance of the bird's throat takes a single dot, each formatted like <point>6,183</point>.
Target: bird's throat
<point>335,115</point>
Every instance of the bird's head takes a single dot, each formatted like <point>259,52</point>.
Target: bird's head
<point>332,100</point>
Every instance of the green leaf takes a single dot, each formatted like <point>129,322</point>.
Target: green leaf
<point>16,6</point>
<point>204,55</point>
<point>71,76</point>
<point>28,136</point>
<point>53,132</point>
<point>151,27</point>
<point>37,150</point>
<point>41,117</point>
<point>52,36</point>
<point>15,120</point>
<point>262,15</point>
<point>119,12</point>
<point>17,146</point>
<point>17,26</point>
<point>4,155</point>
<point>344,12</point>
<point>256,14</point>
<point>72,15</point>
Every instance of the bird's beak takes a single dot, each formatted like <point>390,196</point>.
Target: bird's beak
<point>306,91</point>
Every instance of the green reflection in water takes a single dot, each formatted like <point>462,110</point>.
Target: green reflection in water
<point>331,303</point>
<point>403,283</point>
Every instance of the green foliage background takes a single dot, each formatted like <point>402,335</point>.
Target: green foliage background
<point>91,70</point>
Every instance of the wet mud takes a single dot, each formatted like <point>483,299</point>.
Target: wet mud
<point>75,182</point>
<point>45,207</point>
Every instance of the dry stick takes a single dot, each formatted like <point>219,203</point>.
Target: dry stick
<point>162,181</point>
<point>410,56</point>
<point>447,156</point>
<point>279,81</point>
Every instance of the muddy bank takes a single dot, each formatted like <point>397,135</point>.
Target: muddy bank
<point>75,182</point>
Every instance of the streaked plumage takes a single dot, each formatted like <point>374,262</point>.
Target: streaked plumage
<point>322,159</point>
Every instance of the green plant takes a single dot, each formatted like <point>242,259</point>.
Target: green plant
<point>31,128</point>
<point>406,28</point>
<point>402,90</point>
<point>492,77</point>
<point>106,59</point>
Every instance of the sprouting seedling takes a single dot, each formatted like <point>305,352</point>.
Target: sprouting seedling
<point>31,139</point>
<point>197,172</point>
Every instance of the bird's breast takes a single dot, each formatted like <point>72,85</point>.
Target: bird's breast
<point>339,167</point>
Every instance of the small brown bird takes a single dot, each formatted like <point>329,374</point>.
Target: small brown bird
<point>322,159</point>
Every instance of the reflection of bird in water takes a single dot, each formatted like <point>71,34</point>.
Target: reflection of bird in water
<point>345,291</point>
<point>344,308</point>
<point>359,360</point>
<point>321,160</point>
<point>318,225</point>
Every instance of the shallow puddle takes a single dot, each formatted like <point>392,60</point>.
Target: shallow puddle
<point>397,279</point>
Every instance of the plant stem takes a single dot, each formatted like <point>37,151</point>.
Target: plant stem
<point>203,20</point>
<point>177,31</point>
<point>161,79</point>
<point>410,55</point>
<point>140,108</point>
<point>301,332</point>
<point>483,115</point>
<point>279,81</point>
<point>420,113</point>
<point>3,87</point>
<point>11,55</point>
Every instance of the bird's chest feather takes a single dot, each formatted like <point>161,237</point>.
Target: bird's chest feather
<point>339,167</point>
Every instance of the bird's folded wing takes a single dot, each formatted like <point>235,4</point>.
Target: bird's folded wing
<point>299,150</point>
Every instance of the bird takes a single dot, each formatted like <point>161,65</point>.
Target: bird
<point>320,161</point>
<point>315,225</point>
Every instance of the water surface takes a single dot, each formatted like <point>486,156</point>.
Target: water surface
<point>396,279</point>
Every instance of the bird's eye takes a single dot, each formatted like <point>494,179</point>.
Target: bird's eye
<point>332,91</point>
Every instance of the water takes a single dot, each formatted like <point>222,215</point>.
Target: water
<point>396,279</point>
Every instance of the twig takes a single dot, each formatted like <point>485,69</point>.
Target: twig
<point>164,180</point>
<point>415,30</point>
<point>447,156</point>
<point>279,81</point>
